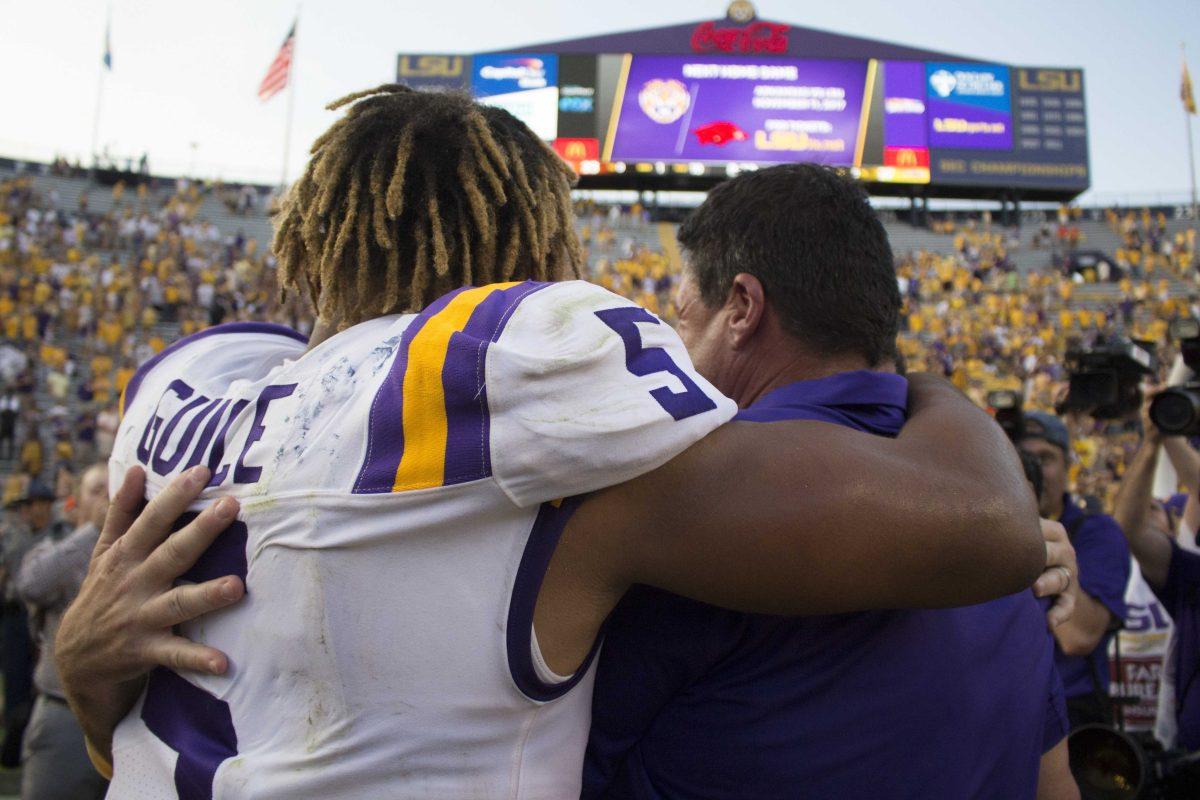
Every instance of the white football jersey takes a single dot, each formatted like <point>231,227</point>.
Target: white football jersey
<point>402,488</point>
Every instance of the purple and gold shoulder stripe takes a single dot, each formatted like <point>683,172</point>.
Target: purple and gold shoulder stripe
<point>429,423</point>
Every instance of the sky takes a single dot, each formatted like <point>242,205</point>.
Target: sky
<point>185,75</point>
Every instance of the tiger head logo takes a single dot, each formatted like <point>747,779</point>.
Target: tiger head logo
<point>664,101</point>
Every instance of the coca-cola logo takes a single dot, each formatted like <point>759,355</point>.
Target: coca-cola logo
<point>761,37</point>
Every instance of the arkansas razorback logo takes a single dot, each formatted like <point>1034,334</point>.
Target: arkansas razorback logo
<point>719,133</point>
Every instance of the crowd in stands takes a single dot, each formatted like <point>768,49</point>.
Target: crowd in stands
<point>1147,247</point>
<point>86,296</point>
<point>973,318</point>
<point>622,264</point>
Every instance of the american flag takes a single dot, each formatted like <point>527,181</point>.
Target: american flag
<point>280,70</point>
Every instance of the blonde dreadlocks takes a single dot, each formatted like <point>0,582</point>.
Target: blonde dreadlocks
<point>413,194</point>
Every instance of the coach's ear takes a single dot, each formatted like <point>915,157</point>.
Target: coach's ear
<point>747,303</point>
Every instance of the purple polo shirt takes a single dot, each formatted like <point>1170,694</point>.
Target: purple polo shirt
<point>1181,597</point>
<point>1103,556</point>
<point>696,701</point>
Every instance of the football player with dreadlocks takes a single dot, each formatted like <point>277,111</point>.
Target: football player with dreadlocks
<point>433,503</point>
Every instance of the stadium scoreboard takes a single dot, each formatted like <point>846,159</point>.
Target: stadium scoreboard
<point>739,100</point>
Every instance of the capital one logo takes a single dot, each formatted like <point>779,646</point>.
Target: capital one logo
<point>943,82</point>
<point>529,73</point>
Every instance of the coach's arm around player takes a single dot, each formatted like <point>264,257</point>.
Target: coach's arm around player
<point>939,516</point>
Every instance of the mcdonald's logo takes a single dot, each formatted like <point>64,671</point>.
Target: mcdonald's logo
<point>906,157</point>
<point>431,66</point>
<point>575,150</point>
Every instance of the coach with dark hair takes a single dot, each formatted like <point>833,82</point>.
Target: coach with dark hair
<point>789,304</point>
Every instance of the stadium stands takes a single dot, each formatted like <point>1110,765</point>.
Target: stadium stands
<point>95,279</point>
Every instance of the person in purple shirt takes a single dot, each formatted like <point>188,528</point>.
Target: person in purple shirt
<point>1103,557</point>
<point>1174,575</point>
<point>789,304</point>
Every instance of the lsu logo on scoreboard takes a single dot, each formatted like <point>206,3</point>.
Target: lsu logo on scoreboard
<point>1050,80</point>
<point>431,66</point>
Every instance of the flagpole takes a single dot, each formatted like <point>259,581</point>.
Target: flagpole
<point>96,118</point>
<point>100,89</point>
<point>287,134</point>
<point>1191,163</point>
<point>1187,118</point>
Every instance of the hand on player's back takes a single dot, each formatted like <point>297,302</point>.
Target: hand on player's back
<point>120,626</point>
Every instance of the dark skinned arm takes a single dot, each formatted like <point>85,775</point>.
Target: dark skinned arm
<point>821,519</point>
<point>806,518</point>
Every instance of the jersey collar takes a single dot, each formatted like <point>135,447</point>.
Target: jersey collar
<point>857,388</point>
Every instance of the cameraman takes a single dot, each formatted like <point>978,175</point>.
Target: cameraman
<point>1082,641</point>
<point>1173,574</point>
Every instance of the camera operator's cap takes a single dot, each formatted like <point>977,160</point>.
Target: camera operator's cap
<point>1047,427</point>
<point>39,491</point>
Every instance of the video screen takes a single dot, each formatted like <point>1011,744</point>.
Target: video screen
<point>1013,126</point>
<point>888,121</point>
<point>686,109</point>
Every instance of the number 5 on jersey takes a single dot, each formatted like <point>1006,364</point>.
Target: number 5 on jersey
<point>642,361</point>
